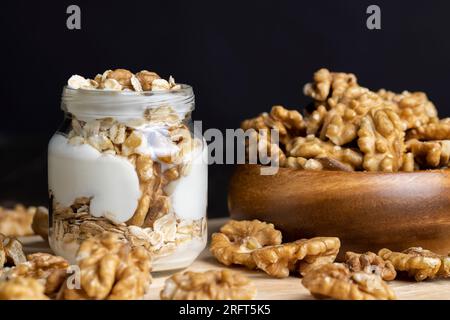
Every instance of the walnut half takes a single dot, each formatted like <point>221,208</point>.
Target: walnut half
<point>237,239</point>
<point>47,268</point>
<point>369,262</point>
<point>110,269</point>
<point>338,282</point>
<point>302,255</point>
<point>208,285</point>
<point>22,289</point>
<point>12,251</point>
<point>418,262</point>
<point>381,139</point>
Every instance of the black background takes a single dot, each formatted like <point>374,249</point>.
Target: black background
<point>241,57</point>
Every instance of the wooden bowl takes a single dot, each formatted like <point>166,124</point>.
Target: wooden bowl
<point>367,211</point>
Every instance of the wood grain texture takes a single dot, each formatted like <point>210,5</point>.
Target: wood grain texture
<point>367,211</point>
<point>270,288</point>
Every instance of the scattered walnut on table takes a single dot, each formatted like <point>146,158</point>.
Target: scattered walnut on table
<point>381,138</point>
<point>370,262</point>
<point>317,251</point>
<point>336,281</point>
<point>208,285</point>
<point>13,250</point>
<point>418,263</point>
<point>430,154</point>
<point>16,222</point>
<point>278,261</point>
<point>110,269</point>
<point>237,239</point>
<point>50,269</point>
<point>22,288</point>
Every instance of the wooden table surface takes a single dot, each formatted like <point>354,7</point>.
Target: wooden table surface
<point>270,288</point>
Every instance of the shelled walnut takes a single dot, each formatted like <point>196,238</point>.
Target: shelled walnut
<point>369,262</point>
<point>208,285</point>
<point>328,84</point>
<point>49,269</point>
<point>12,251</point>
<point>316,252</point>
<point>412,107</point>
<point>237,239</point>
<point>343,120</point>
<point>338,282</point>
<point>381,139</point>
<point>16,222</point>
<point>437,130</point>
<point>110,269</point>
<point>315,120</point>
<point>277,261</point>
<point>146,78</point>
<point>22,289</point>
<point>418,263</point>
<point>302,255</point>
<point>288,123</point>
<point>314,148</point>
<point>430,154</point>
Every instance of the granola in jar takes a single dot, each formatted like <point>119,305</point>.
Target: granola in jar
<point>126,160</point>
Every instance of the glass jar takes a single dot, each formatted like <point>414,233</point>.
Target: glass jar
<point>129,162</point>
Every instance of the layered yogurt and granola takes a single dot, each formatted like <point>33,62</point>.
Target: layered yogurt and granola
<point>126,161</point>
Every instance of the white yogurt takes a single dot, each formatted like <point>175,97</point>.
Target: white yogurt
<point>82,171</point>
<point>189,194</point>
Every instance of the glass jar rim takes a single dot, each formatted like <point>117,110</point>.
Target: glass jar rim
<point>184,88</point>
<point>124,105</point>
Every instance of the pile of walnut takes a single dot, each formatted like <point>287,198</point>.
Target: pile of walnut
<point>258,245</point>
<point>124,80</point>
<point>352,128</point>
<point>107,268</point>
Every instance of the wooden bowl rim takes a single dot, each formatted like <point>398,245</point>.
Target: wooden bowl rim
<point>349,173</point>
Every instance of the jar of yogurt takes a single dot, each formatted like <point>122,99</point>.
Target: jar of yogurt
<point>126,160</point>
